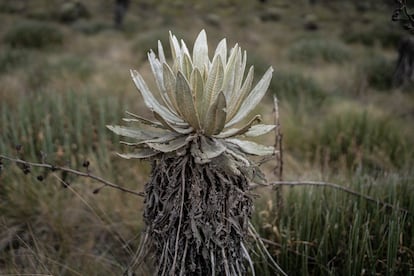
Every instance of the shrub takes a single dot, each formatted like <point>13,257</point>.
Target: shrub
<point>89,27</point>
<point>378,72</point>
<point>312,51</point>
<point>387,35</point>
<point>33,34</point>
<point>10,58</point>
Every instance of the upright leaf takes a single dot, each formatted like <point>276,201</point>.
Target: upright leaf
<point>214,81</point>
<point>216,116</point>
<point>185,101</point>
<point>200,51</point>
<point>253,99</point>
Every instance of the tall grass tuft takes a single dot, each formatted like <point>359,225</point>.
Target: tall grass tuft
<point>351,138</point>
<point>328,232</point>
<point>59,124</point>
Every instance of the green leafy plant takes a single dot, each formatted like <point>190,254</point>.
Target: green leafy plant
<point>197,203</point>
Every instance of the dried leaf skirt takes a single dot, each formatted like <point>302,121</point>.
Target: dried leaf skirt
<point>197,219</point>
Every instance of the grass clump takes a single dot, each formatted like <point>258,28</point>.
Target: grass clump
<point>351,138</point>
<point>311,51</point>
<point>42,123</point>
<point>328,232</point>
<point>33,34</point>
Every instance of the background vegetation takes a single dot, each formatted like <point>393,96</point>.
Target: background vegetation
<point>62,81</point>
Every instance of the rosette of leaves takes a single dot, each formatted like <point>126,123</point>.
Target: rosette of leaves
<point>197,202</point>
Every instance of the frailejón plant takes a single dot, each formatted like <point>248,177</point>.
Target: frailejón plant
<point>197,202</point>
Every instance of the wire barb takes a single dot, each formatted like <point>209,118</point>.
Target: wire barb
<point>26,167</point>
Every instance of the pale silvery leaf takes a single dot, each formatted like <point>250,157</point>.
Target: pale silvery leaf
<point>187,66</point>
<point>229,73</point>
<point>138,134</point>
<point>237,155</point>
<point>150,100</point>
<point>161,54</point>
<point>185,101</point>
<point>179,129</point>
<point>221,50</point>
<point>215,116</point>
<point>239,131</point>
<point>142,120</point>
<point>211,148</point>
<point>170,86</point>
<point>253,99</point>
<point>171,146</point>
<point>167,137</point>
<point>205,149</point>
<point>175,47</point>
<point>252,147</point>
<point>240,73</point>
<point>258,130</point>
<point>156,68</point>
<point>184,49</point>
<point>238,98</point>
<point>197,85</point>
<point>200,51</point>
<point>139,154</point>
<point>214,81</point>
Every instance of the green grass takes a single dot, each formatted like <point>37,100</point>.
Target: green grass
<point>328,232</point>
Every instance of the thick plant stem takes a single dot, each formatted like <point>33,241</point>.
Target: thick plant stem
<point>197,218</point>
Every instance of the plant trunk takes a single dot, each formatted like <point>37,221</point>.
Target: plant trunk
<point>197,218</point>
<point>404,72</point>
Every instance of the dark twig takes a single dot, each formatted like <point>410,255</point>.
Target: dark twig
<point>407,20</point>
<point>27,164</point>
<point>335,186</point>
<point>279,160</point>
